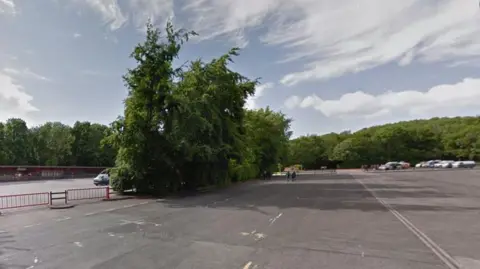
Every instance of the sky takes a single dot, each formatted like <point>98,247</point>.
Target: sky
<point>330,65</point>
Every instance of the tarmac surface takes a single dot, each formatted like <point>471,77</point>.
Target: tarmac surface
<point>411,220</point>
<point>21,187</point>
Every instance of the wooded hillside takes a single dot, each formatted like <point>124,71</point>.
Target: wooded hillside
<point>412,141</point>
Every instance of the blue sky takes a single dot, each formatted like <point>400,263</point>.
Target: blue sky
<point>330,65</point>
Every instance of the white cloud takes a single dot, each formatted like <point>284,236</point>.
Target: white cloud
<point>26,73</point>
<point>77,35</point>
<point>230,18</point>
<point>137,11</point>
<point>292,102</point>
<point>259,91</point>
<point>7,6</point>
<point>333,38</point>
<point>158,11</point>
<point>13,100</point>
<point>365,34</point>
<point>441,100</point>
<point>110,12</point>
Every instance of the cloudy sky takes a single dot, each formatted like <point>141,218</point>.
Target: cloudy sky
<point>331,65</point>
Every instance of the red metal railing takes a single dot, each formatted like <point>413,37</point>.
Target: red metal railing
<point>24,200</point>
<point>88,193</point>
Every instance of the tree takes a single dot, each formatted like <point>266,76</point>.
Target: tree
<point>268,133</point>
<point>16,141</point>
<point>145,157</point>
<point>184,128</point>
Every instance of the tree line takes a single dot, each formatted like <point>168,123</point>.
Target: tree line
<point>412,141</point>
<point>186,127</point>
<point>55,144</point>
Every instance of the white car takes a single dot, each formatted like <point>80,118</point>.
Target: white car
<point>444,164</point>
<point>464,164</point>
<point>438,165</point>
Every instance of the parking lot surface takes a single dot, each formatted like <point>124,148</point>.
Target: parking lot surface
<point>9,188</point>
<point>348,220</point>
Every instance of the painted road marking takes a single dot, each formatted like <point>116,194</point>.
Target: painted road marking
<point>247,265</point>
<point>219,201</point>
<point>115,208</point>
<point>259,236</point>
<point>32,225</point>
<point>62,219</point>
<point>436,249</point>
<point>91,213</point>
<point>274,219</point>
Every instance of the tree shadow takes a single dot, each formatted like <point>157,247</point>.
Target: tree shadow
<point>326,193</point>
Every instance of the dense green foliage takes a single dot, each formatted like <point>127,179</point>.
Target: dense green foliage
<point>54,144</point>
<point>412,141</point>
<point>186,127</point>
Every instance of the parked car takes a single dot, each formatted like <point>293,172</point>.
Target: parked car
<point>446,164</point>
<point>419,165</point>
<point>404,165</point>
<point>432,163</point>
<point>390,166</point>
<point>103,179</point>
<point>464,164</point>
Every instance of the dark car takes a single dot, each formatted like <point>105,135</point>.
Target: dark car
<point>102,179</point>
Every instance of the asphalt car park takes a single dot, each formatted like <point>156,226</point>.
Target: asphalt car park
<point>444,204</point>
<point>345,220</point>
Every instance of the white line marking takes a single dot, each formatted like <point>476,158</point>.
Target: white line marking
<point>259,236</point>
<point>32,225</point>
<point>436,249</point>
<point>91,213</point>
<point>62,219</point>
<point>274,219</point>
<point>116,208</point>
<point>247,266</point>
<point>78,244</point>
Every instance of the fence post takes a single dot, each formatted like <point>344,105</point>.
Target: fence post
<point>107,189</point>
<point>51,198</point>
<point>66,196</point>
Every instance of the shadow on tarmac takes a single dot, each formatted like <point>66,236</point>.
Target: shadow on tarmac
<point>6,239</point>
<point>316,192</point>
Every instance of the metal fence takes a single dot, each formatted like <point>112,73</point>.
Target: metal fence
<point>88,193</point>
<point>24,200</point>
<point>49,198</point>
